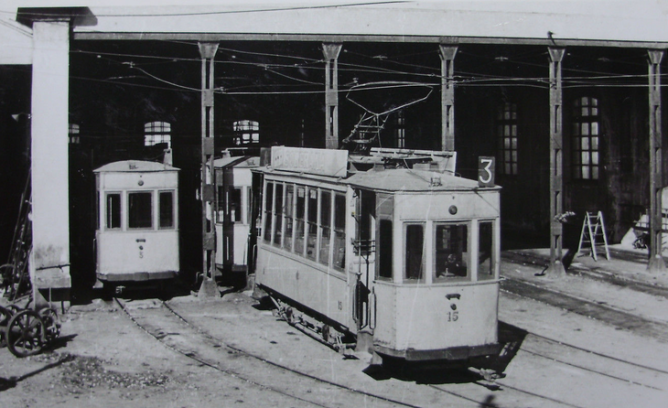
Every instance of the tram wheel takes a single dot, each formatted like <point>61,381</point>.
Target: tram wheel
<point>25,334</point>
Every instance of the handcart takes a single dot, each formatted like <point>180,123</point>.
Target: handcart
<point>27,322</point>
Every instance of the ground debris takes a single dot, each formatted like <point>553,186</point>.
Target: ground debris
<point>89,372</point>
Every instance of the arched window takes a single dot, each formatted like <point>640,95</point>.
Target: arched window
<point>586,139</point>
<point>246,132</point>
<point>158,132</point>
<point>74,131</point>
<point>506,133</point>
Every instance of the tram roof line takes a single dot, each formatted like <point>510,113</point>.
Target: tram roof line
<point>638,24</point>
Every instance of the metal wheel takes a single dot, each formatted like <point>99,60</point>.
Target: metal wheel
<point>51,324</point>
<point>25,334</point>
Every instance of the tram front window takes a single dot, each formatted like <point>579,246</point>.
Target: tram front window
<point>451,251</point>
<point>414,251</point>
<point>166,204</point>
<point>485,251</point>
<point>140,211</point>
<point>113,210</point>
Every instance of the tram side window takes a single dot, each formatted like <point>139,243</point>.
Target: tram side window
<point>140,211</point>
<point>166,204</point>
<point>299,220</point>
<point>269,198</point>
<point>312,223</point>
<point>325,225</point>
<point>485,251</point>
<point>235,206</point>
<point>278,234</point>
<point>113,210</point>
<point>414,251</point>
<point>289,214</point>
<point>451,251</point>
<point>385,249</point>
<point>339,247</point>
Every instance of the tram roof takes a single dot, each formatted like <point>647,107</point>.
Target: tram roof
<point>237,162</point>
<point>410,180</point>
<point>132,166</point>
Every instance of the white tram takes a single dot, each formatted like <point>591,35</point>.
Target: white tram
<point>234,203</point>
<point>390,251</point>
<point>137,234</point>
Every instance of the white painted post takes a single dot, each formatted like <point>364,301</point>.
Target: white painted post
<point>50,257</point>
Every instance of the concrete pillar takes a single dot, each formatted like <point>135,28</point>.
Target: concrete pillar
<point>50,257</point>
<point>331,53</point>
<point>208,288</point>
<point>655,262</point>
<point>447,53</point>
<point>556,268</point>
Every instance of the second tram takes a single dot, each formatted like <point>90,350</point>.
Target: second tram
<point>389,252</point>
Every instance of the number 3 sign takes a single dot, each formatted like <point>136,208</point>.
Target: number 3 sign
<point>485,171</point>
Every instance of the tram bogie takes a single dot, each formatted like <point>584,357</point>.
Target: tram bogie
<point>137,236</point>
<point>390,249</point>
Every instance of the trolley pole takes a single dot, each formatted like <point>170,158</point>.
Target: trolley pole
<point>656,263</point>
<point>209,288</point>
<point>556,268</point>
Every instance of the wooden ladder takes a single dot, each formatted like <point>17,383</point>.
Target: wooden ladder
<point>592,228</point>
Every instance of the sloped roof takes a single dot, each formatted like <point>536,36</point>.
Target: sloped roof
<point>239,162</point>
<point>132,166</point>
<point>407,180</point>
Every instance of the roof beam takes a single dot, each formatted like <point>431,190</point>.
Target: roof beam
<point>338,38</point>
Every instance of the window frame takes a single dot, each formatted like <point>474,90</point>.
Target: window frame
<point>128,214</point>
<point>156,132</point>
<point>422,278</point>
<point>468,251</point>
<point>106,211</point>
<point>586,139</point>
<point>312,214</point>
<point>159,207</point>
<point>508,141</point>
<point>493,251</point>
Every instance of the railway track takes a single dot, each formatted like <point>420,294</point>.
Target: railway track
<point>178,334</point>
<point>173,329</point>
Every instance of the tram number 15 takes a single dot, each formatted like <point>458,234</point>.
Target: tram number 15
<point>453,316</point>
<point>485,171</point>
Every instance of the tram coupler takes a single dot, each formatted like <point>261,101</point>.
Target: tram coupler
<point>486,374</point>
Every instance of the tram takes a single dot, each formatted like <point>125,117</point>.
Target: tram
<point>388,252</point>
<point>137,236</point>
<point>234,213</point>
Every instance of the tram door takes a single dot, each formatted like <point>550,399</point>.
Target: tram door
<point>229,205</point>
<point>365,251</point>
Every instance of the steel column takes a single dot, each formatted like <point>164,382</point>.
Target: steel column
<point>556,268</point>
<point>447,53</point>
<point>331,53</point>
<point>656,263</point>
<point>208,289</point>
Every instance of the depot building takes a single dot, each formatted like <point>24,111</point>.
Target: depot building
<point>566,97</point>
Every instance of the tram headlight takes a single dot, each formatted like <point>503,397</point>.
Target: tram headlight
<point>453,209</point>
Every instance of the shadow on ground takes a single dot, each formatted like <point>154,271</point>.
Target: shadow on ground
<point>443,372</point>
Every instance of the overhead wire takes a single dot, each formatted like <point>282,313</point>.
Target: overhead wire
<point>221,12</point>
